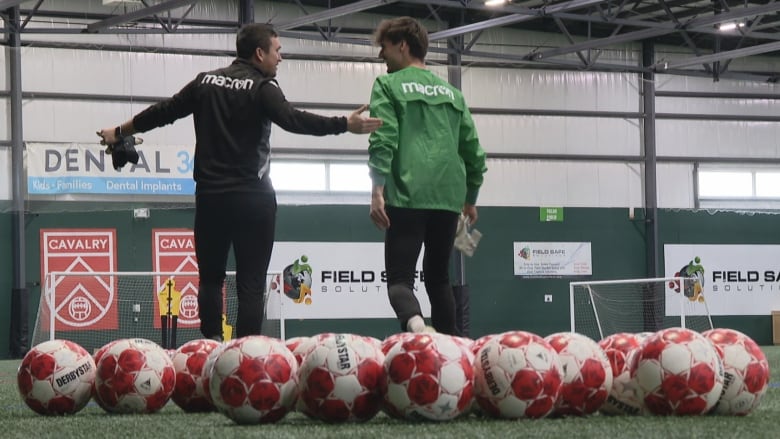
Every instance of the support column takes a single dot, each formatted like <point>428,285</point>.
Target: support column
<point>653,295</point>
<point>19,340</point>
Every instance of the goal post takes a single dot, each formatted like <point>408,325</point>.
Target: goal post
<point>601,308</point>
<point>94,308</point>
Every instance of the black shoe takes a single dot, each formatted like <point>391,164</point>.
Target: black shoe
<point>217,338</point>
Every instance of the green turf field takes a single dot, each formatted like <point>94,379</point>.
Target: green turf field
<point>18,421</point>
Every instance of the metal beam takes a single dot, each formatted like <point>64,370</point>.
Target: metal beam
<point>5,4</point>
<point>513,18</point>
<point>135,15</point>
<point>729,54</point>
<point>327,14</point>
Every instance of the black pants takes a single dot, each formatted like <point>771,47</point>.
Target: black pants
<point>247,221</point>
<point>409,230</point>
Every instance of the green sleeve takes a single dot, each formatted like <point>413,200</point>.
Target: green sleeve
<point>473,156</point>
<point>383,143</point>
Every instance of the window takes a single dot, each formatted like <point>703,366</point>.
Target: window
<point>320,176</point>
<point>735,187</point>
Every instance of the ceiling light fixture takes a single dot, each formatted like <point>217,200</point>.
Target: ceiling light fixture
<point>725,27</point>
<point>495,2</point>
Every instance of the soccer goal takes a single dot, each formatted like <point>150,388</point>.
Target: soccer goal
<point>94,308</point>
<point>602,308</point>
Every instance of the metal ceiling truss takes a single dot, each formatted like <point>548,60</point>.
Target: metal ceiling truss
<point>588,27</point>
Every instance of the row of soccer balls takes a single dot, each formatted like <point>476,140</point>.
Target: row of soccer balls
<point>346,377</point>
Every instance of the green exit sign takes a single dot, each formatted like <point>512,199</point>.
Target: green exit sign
<point>551,214</point>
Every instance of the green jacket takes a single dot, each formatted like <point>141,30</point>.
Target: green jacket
<point>427,153</point>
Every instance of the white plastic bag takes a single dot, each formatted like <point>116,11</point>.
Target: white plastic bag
<point>466,238</point>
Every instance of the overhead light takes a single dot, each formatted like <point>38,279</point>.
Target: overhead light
<point>725,27</point>
<point>495,2</point>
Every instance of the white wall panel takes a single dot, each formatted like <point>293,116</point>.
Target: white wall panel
<point>5,119</point>
<point>4,83</point>
<point>557,135</point>
<point>550,90</point>
<point>674,183</point>
<point>69,121</point>
<point>6,190</point>
<point>326,82</point>
<point>706,138</point>
<point>568,184</point>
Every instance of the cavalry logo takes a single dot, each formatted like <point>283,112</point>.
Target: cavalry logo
<point>173,251</point>
<point>85,302</point>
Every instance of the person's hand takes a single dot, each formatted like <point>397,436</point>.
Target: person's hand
<point>377,213</point>
<point>360,124</point>
<point>470,212</point>
<point>108,136</point>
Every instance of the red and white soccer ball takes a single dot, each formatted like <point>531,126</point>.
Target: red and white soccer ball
<point>677,372</point>
<point>188,362</point>
<point>428,376</point>
<point>391,340</point>
<point>56,377</point>
<point>254,379</point>
<point>587,374</point>
<point>745,368</point>
<point>622,399</point>
<point>134,375</point>
<point>517,375</point>
<point>339,380</point>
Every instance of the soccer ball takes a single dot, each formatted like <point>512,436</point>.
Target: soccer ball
<point>745,369</point>
<point>622,399</point>
<point>391,340</point>
<point>208,368</point>
<point>253,380</point>
<point>517,375</point>
<point>427,376</point>
<point>677,372</point>
<point>587,374</point>
<point>188,362</point>
<point>339,379</point>
<point>134,376</point>
<point>56,377</point>
<point>296,342</point>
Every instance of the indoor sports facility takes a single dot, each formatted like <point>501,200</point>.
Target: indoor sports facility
<point>631,202</point>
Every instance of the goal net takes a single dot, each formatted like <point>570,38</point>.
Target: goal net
<point>94,308</point>
<point>601,308</point>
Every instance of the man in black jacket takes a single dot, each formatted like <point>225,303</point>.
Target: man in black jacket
<point>235,203</point>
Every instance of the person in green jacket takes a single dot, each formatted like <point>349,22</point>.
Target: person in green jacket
<point>426,166</point>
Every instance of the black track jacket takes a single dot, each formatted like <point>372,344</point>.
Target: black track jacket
<point>233,108</point>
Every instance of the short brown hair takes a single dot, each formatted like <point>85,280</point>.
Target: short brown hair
<point>252,36</point>
<point>406,29</point>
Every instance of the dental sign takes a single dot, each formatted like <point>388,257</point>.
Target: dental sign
<point>55,168</point>
<point>732,279</point>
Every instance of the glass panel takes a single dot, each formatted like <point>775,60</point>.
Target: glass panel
<point>349,177</point>
<point>725,184</point>
<point>298,176</point>
<point>768,184</point>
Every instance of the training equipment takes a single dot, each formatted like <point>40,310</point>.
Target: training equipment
<point>517,375</point>
<point>188,362</point>
<point>134,376</point>
<point>622,398</point>
<point>587,374</point>
<point>123,150</point>
<point>428,376</point>
<point>602,308</point>
<point>254,380</point>
<point>339,380</point>
<point>95,308</point>
<point>56,377</point>
<point>745,368</point>
<point>677,372</point>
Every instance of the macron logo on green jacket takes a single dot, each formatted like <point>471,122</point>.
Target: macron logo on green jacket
<point>427,90</point>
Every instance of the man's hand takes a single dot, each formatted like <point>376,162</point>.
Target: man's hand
<point>470,212</point>
<point>108,136</point>
<point>360,124</point>
<point>377,212</point>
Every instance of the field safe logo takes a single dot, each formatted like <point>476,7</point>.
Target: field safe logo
<point>693,273</point>
<point>297,281</point>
